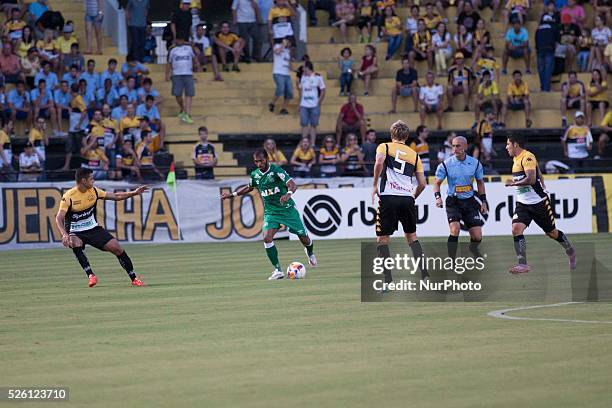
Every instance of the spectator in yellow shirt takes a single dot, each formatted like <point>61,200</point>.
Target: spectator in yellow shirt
<point>226,43</point>
<point>63,43</point>
<point>275,156</point>
<point>488,97</point>
<point>303,158</point>
<point>393,32</point>
<point>597,94</point>
<point>517,99</point>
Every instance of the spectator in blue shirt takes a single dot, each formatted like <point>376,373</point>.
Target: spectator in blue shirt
<point>131,67</point>
<point>47,75</point>
<point>149,110</point>
<point>36,9</point>
<point>130,90</point>
<point>111,73</point>
<point>91,76</point>
<point>108,94</point>
<point>42,101</point>
<point>120,111</point>
<point>72,76</point>
<point>62,98</point>
<point>19,104</point>
<point>147,89</point>
<point>517,46</point>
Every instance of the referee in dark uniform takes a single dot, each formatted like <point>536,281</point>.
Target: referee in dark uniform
<point>461,170</point>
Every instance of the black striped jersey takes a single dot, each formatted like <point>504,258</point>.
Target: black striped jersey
<point>422,149</point>
<point>401,164</point>
<point>530,194</point>
<point>80,208</point>
<point>578,139</point>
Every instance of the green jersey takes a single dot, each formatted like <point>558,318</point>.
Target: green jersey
<point>272,185</point>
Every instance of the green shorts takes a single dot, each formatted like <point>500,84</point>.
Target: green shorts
<point>290,219</point>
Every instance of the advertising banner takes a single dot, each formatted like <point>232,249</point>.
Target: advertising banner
<point>331,208</point>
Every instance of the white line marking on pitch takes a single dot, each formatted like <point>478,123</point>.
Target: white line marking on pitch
<point>503,314</point>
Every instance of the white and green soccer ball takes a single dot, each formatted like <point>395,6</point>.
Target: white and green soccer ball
<point>296,270</point>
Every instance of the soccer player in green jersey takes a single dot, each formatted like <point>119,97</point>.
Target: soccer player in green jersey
<point>276,188</point>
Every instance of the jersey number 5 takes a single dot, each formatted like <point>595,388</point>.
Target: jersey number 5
<point>402,163</point>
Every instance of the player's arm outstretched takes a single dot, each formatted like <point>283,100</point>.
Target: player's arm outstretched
<point>120,196</point>
<point>244,190</point>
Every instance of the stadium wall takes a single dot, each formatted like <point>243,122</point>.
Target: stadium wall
<point>27,217</point>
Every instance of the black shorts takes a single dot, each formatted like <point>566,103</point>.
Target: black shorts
<point>595,104</point>
<point>466,210</point>
<point>574,105</point>
<point>517,106</point>
<point>392,209</point>
<point>540,213</point>
<point>97,237</point>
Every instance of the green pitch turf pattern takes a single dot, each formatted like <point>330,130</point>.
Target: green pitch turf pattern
<point>210,330</point>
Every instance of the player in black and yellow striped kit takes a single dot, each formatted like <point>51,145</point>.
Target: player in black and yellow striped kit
<point>395,168</point>
<point>76,220</point>
<point>533,204</point>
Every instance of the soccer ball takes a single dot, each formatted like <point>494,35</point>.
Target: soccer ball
<point>296,270</point>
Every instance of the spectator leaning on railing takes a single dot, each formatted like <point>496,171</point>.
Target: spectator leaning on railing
<point>275,156</point>
<point>128,165</point>
<point>352,157</point>
<point>577,141</point>
<point>303,158</point>
<point>329,156</point>
<point>29,164</point>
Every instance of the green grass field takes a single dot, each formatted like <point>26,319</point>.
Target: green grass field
<point>210,330</point>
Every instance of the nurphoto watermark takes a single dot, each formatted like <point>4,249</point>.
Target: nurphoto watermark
<point>469,272</point>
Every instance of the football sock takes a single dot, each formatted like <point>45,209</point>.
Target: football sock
<point>126,263</point>
<point>382,251</point>
<point>82,258</point>
<point>417,252</point>
<point>272,253</point>
<point>520,247</point>
<point>565,243</point>
<point>310,247</point>
<point>474,247</point>
<point>451,246</point>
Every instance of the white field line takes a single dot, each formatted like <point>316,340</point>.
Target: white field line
<point>503,314</point>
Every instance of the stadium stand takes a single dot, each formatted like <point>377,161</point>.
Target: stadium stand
<point>236,110</point>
